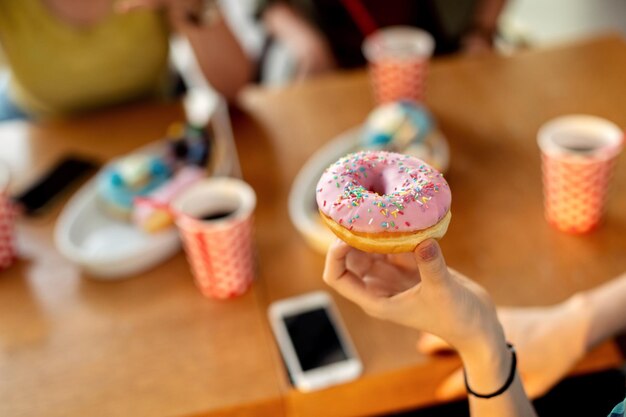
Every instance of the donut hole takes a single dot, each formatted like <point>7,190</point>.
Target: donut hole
<point>387,181</point>
<point>380,186</point>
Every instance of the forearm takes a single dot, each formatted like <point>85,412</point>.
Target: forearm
<point>479,35</point>
<point>221,58</point>
<point>487,369</point>
<point>306,42</point>
<point>486,14</point>
<point>606,307</point>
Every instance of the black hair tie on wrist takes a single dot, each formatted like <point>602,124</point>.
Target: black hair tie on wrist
<point>506,385</point>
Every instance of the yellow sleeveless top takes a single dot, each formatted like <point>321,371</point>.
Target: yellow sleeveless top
<point>58,69</point>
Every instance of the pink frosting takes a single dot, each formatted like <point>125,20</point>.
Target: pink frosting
<point>375,192</point>
<point>145,207</point>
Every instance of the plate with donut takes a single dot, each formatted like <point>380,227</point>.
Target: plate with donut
<point>399,127</point>
<point>119,224</point>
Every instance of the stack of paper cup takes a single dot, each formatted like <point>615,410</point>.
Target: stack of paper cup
<point>214,218</point>
<point>578,156</point>
<point>7,220</point>
<point>398,59</point>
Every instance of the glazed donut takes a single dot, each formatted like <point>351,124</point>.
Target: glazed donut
<point>151,212</point>
<point>397,126</point>
<point>130,177</point>
<point>384,202</point>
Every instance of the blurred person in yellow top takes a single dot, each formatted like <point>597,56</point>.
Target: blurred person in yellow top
<point>67,56</point>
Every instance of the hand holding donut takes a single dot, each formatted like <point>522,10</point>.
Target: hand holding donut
<point>386,208</point>
<point>416,290</point>
<point>419,291</point>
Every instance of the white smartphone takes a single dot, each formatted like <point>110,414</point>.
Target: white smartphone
<point>313,341</point>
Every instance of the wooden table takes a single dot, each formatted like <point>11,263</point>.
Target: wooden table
<point>152,346</point>
<point>147,346</point>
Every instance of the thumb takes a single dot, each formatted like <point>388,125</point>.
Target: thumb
<point>430,344</point>
<point>453,387</point>
<point>430,262</point>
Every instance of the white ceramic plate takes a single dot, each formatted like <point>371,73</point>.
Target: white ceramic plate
<point>302,205</point>
<point>105,247</point>
<point>111,249</point>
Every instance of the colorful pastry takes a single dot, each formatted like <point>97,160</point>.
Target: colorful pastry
<point>151,212</point>
<point>396,126</point>
<point>132,176</point>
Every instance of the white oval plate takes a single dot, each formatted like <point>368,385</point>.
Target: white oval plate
<point>104,247</point>
<point>302,205</point>
<point>108,248</point>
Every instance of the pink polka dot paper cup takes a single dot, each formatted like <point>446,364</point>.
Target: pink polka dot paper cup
<point>215,221</point>
<point>398,58</point>
<point>7,221</point>
<point>578,157</point>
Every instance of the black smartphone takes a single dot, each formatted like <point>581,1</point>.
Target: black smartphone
<point>70,169</point>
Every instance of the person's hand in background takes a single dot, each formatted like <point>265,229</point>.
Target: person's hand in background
<point>303,41</point>
<point>218,52</point>
<point>549,342</point>
<point>479,36</point>
<point>476,42</point>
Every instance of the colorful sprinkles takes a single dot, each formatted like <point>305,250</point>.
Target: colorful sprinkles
<point>394,185</point>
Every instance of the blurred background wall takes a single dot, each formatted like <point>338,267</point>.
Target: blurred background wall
<point>545,22</point>
<point>524,23</point>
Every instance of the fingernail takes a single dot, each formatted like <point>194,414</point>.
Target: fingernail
<point>428,251</point>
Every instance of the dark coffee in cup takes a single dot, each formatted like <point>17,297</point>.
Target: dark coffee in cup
<point>216,215</point>
<point>578,143</point>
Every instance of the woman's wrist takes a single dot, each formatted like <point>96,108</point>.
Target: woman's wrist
<point>577,311</point>
<point>487,363</point>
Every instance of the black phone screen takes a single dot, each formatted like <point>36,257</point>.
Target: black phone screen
<point>315,339</point>
<point>53,182</point>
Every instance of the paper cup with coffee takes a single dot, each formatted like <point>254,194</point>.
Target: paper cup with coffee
<point>398,58</point>
<point>578,157</point>
<point>215,221</point>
